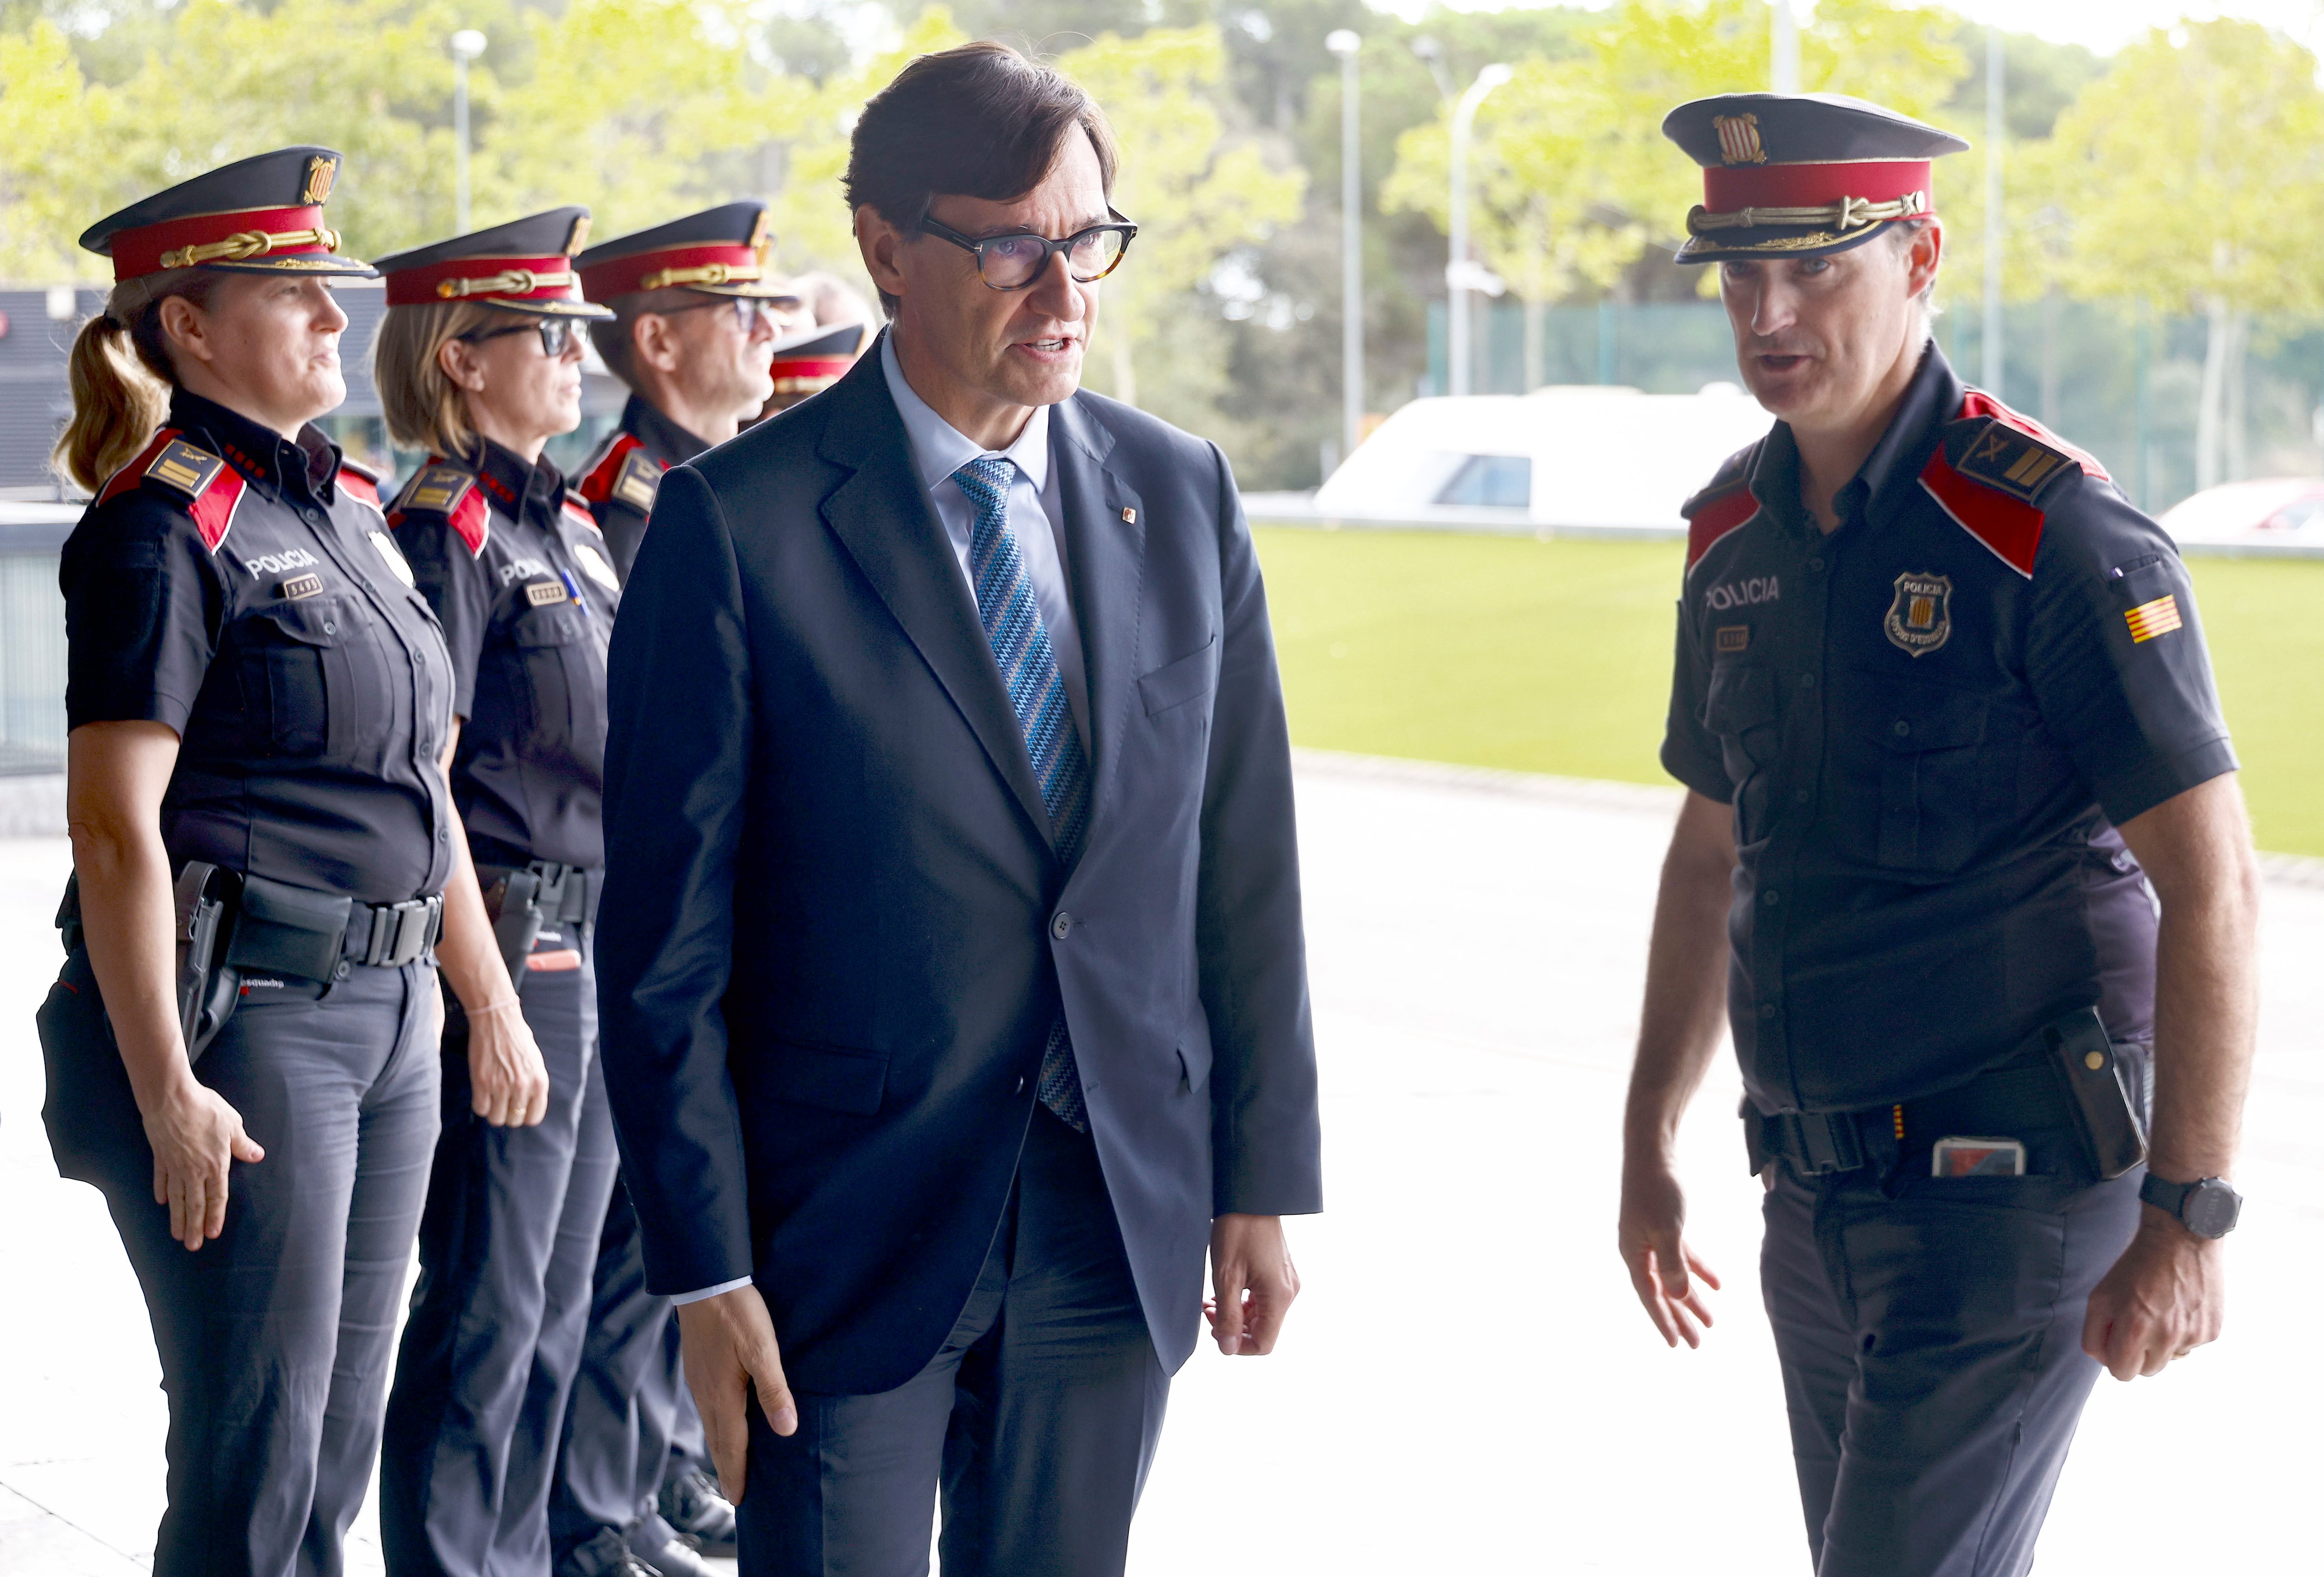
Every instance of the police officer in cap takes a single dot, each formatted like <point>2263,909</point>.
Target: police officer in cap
<point>1944,712</point>
<point>478,360</point>
<point>804,364</point>
<point>688,333</point>
<point>260,704</point>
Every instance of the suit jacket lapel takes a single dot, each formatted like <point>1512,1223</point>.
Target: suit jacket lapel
<point>883,518</point>
<point>1105,552</point>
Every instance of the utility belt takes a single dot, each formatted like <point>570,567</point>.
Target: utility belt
<point>523,899</point>
<point>2065,1075</point>
<point>228,924</point>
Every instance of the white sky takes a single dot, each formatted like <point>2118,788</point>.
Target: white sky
<point>2102,24</point>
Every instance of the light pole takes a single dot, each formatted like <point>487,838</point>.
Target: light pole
<point>467,45</point>
<point>1997,84</point>
<point>1782,48</point>
<point>1344,44</point>
<point>1460,273</point>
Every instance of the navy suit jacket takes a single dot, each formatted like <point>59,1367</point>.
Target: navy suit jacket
<point>835,932</point>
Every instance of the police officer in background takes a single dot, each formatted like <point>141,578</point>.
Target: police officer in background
<point>804,364</point>
<point>478,360</point>
<point>1945,716</point>
<point>690,323</point>
<point>260,705</point>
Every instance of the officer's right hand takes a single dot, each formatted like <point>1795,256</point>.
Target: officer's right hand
<point>728,1342</point>
<point>508,1083</point>
<point>1662,1269</point>
<point>196,1135</point>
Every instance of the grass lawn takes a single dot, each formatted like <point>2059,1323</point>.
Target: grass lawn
<point>1554,657</point>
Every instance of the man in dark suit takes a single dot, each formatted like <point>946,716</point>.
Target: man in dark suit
<point>951,1017</point>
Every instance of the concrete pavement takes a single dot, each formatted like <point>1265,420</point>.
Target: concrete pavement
<point>1466,1385</point>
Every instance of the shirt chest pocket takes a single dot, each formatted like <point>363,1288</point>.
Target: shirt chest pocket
<point>317,676</point>
<point>1929,747</point>
<point>562,678</point>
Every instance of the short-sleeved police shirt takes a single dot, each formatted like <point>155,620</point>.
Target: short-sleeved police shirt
<point>517,570</point>
<point>1929,724</point>
<point>242,589</point>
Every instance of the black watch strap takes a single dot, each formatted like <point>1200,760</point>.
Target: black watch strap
<point>2208,1207</point>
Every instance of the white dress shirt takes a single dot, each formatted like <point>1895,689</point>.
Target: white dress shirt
<point>1036,516</point>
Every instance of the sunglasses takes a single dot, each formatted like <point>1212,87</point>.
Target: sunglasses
<point>747,310</point>
<point>1013,263</point>
<point>558,334</point>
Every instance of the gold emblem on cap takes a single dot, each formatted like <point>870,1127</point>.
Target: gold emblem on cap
<point>322,174</point>
<point>761,231</point>
<point>1739,139</point>
<point>580,237</point>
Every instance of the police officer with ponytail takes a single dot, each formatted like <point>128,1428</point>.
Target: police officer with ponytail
<point>478,361</point>
<point>240,1049</point>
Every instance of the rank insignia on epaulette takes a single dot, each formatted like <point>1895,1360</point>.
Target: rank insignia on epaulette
<point>2008,460</point>
<point>640,480</point>
<point>438,488</point>
<point>182,467</point>
<point>543,594</point>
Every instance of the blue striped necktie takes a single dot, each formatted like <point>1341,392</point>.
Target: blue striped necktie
<point>1011,618</point>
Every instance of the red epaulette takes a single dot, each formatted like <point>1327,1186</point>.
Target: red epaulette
<point>360,483</point>
<point>1989,472</point>
<point>444,490</point>
<point>1722,507</point>
<point>211,488</point>
<point>624,474</point>
<point>577,507</point>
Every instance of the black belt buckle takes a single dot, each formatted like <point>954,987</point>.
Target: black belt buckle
<point>1814,1142</point>
<point>401,932</point>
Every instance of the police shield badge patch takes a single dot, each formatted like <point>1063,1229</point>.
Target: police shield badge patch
<point>1920,619</point>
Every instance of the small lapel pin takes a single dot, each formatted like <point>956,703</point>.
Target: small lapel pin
<point>1128,517</point>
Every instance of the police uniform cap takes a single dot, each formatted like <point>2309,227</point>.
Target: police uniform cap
<point>719,251</point>
<point>1802,174</point>
<point>815,358</point>
<point>525,265</point>
<point>260,215</point>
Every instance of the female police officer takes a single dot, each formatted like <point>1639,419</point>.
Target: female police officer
<point>478,360</point>
<point>258,701</point>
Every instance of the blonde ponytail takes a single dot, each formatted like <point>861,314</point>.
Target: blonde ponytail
<point>120,376</point>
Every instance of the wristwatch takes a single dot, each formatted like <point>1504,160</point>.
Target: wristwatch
<point>2208,1206</point>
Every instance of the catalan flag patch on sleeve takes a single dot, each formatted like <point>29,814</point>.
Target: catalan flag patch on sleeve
<point>2159,617</point>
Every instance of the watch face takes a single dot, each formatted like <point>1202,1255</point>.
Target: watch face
<point>2211,1209</point>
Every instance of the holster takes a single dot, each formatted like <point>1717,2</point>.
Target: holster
<point>207,986</point>
<point>2095,1083</point>
<point>513,903</point>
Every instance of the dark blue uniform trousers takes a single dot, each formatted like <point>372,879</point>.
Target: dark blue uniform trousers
<point>632,1421</point>
<point>1931,1335</point>
<point>496,1325</point>
<point>1037,1419</point>
<point>275,1338</point>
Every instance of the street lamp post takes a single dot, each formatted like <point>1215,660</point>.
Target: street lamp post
<point>467,45</point>
<point>1996,124</point>
<point>1344,44</point>
<point>1460,273</point>
<point>1782,48</point>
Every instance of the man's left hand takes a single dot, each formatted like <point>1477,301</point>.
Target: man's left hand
<point>1254,1281</point>
<point>2164,1298</point>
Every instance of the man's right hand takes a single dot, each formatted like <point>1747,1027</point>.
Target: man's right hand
<point>729,1346</point>
<point>1662,1269</point>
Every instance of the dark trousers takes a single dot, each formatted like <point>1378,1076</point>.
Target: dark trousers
<point>1931,1335</point>
<point>630,1415</point>
<point>275,1338</point>
<point>1037,1420</point>
<point>497,1320</point>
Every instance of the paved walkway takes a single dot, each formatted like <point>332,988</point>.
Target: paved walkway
<point>1467,1387</point>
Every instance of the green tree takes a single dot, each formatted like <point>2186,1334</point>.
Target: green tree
<point>2192,177</point>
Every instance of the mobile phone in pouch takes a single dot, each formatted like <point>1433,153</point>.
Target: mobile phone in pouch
<point>1957,1157</point>
<point>2113,1136</point>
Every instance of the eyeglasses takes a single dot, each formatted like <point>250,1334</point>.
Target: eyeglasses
<point>556,335</point>
<point>1012,263</point>
<point>747,310</point>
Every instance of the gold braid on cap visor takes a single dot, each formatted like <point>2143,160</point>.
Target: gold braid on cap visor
<point>709,273</point>
<point>1846,214</point>
<point>249,244</point>
<point>514,281</point>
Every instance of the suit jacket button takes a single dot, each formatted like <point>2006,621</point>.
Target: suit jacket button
<point>1061,927</point>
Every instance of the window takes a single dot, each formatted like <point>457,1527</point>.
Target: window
<point>1490,481</point>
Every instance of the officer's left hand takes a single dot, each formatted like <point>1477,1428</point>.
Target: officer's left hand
<point>2164,1298</point>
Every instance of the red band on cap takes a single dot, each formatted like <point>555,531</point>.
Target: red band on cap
<point>810,366</point>
<point>622,276</point>
<point>139,252</point>
<point>1729,190</point>
<point>484,279</point>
